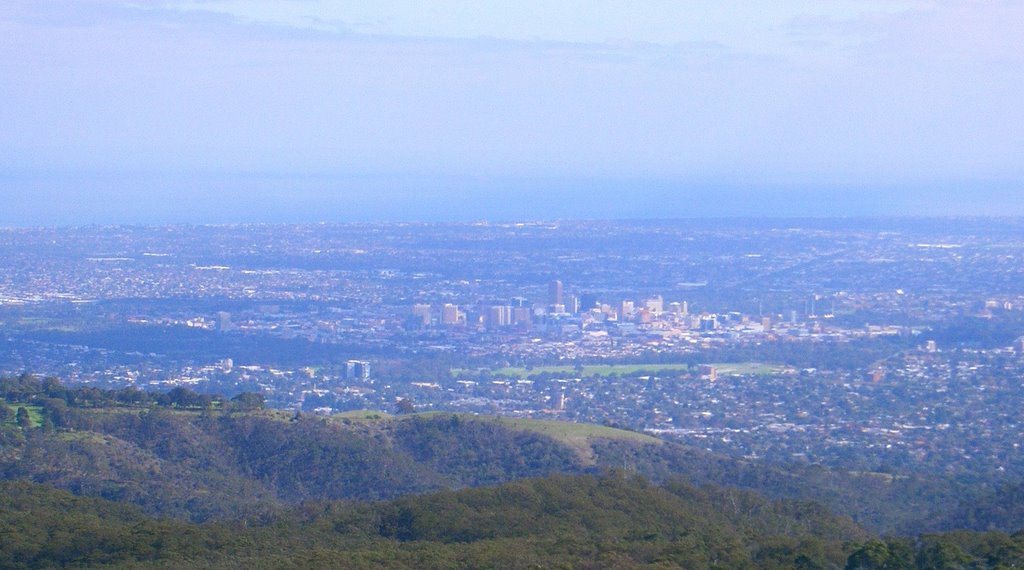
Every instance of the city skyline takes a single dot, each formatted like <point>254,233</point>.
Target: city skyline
<point>846,341</point>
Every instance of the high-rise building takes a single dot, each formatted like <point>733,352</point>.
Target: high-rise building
<point>813,303</point>
<point>572,304</point>
<point>422,312</point>
<point>656,305</point>
<point>626,310</point>
<point>223,321</point>
<point>522,316</point>
<point>555,293</point>
<point>709,322</point>
<point>357,369</point>
<point>499,316</point>
<point>450,314</point>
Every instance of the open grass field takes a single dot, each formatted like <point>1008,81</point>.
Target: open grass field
<point>576,436</point>
<point>754,368</point>
<point>366,415</point>
<point>35,413</point>
<point>724,369</point>
<point>84,436</point>
<point>571,431</point>
<point>588,370</point>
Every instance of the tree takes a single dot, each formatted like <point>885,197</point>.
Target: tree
<point>22,418</point>
<point>247,401</point>
<point>53,388</point>
<point>941,554</point>
<point>879,555</point>
<point>54,410</point>
<point>405,406</point>
<point>182,397</point>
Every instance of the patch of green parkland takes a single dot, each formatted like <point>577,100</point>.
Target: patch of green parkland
<point>576,436</point>
<point>749,368</point>
<point>364,415</point>
<point>591,370</point>
<point>582,372</point>
<point>570,431</point>
<point>35,413</point>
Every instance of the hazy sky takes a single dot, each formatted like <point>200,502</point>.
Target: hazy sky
<point>250,110</point>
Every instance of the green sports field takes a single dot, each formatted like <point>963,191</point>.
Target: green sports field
<point>724,369</point>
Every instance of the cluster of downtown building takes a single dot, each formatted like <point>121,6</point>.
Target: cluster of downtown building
<point>481,292</point>
<point>560,310</point>
<point>567,313</point>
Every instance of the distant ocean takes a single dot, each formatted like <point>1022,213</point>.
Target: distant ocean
<point>78,199</point>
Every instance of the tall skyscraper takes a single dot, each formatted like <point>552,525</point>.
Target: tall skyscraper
<point>422,311</point>
<point>223,321</point>
<point>572,304</point>
<point>555,293</point>
<point>656,305</point>
<point>626,310</point>
<point>357,369</point>
<point>499,316</point>
<point>521,316</point>
<point>450,314</point>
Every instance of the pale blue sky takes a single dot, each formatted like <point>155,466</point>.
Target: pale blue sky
<point>312,110</point>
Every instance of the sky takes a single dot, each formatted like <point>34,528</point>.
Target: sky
<point>225,111</point>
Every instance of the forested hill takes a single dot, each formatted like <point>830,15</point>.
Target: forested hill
<point>203,464</point>
<point>200,458</point>
<point>611,521</point>
<point>561,521</point>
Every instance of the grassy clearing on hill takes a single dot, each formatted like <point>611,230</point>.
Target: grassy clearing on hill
<point>576,436</point>
<point>557,429</point>
<point>571,431</point>
<point>84,436</point>
<point>363,415</point>
<point>35,413</point>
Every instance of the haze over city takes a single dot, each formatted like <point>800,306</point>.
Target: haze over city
<point>220,112</point>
